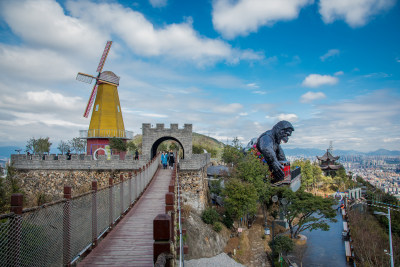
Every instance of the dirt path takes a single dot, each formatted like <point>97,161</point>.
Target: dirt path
<point>250,248</point>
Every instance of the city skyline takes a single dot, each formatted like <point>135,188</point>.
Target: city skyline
<point>232,69</point>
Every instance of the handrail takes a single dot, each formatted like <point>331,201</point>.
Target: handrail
<point>181,254</point>
<point>96,133</point>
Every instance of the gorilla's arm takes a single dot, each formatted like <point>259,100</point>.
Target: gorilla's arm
<point>280,154</point>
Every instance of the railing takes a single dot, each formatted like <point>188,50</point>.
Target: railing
<point>181,248</point>
<point>57,234</point>
<point>108,133</point>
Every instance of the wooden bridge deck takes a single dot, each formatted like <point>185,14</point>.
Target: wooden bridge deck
<point>130,243</point>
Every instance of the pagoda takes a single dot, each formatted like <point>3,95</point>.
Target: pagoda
<point>328,164</point>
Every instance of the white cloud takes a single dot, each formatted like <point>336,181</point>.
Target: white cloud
<point>253,85</point>
<point>176,41</point>
<point>288,117</point>
<point>35,64</point>
<point>349,123</point>
<point>329,54</point>
<point>259,92</point>
<point>338,73</point>
<point>158,3</point>
<point>234,18</point>
<point>43,23</point>
<point>355,13</point>
<point>230,108</point>
<point>316,80</point>
<point>311,96</point>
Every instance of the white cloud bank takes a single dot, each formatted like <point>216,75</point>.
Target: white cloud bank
<point>355,13</point>
<point>158,3</point>
<point>331,53</point>
<point>311,96</point>
<point>316,80</point>
<point>234,18</point>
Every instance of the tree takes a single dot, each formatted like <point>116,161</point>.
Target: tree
<point>197,149</point>
<point>282,244</point>
<point>63,147</point>
<point>117,144</point>
<point>232,153</point>
<point>78,145</point>
<point>38,146</point>
<point>306,211</point>
<point>251,170</point>
<point>131,147</point>
<point>240,198</point>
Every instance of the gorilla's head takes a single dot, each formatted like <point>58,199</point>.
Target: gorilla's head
<point>282,130</point>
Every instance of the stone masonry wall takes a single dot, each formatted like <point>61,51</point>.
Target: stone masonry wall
<point>51,182</point>
<point>194,188</point>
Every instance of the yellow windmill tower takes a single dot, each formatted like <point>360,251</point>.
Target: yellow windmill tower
<point>106,121</point>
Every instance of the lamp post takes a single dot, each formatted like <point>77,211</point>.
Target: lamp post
<point>390,234</point>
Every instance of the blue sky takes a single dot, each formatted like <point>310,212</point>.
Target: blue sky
<point>231,68</point>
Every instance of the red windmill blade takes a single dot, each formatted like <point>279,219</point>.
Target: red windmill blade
<point>101,78</point>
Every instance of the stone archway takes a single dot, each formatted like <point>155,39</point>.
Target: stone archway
<point>152,137</point>
<point>162,139</point>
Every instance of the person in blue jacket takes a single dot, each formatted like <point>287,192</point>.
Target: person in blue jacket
<point>164,160</point>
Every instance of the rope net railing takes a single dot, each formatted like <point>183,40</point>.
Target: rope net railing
<point>58,233</point>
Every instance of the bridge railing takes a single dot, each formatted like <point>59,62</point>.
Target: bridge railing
<point>59,233</point>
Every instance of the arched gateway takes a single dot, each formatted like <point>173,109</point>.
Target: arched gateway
<point>153,137</point>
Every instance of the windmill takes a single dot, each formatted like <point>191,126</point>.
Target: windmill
<point>106,121</point>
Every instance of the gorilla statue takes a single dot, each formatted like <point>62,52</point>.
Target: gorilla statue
<point>268,144</point>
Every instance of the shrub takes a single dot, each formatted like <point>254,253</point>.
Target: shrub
<point>210,216</point>
<point>217,226</point>
<point>227,220</point>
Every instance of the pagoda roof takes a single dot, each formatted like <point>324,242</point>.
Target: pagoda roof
<point>328,156</point>
<point>330,167</point>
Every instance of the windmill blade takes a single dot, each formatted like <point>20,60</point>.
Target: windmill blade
<point>91,100</point>
<point>104,56</point>
<point>86,78</point>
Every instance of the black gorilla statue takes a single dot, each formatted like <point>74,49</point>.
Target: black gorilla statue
<point>269,146</point>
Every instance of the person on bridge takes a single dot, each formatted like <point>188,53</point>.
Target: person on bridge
<point>164,160</point>
<point>171,159</point>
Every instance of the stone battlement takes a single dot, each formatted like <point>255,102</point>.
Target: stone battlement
<point>77,162</point>
<point>161,127</point>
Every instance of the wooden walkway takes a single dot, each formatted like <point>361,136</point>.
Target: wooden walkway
<point>130,243</point>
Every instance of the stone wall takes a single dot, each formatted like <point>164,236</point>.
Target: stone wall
<point>77,162</point>
<point>152,137</point>
<point>194,188</point>
<point>50,183</point>
<point>198,161</point>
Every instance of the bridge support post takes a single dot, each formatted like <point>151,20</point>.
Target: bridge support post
<point>111,203</point>
<point>67,226</point>
<point>130,189</point>
<point>162,232</point>
<point>121,195</point>
<point>14,235</point>
<point>94,213</point>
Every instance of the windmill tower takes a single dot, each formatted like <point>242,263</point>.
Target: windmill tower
<point>106,121</point>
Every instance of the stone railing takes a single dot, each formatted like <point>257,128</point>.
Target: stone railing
<point>197,162</point>
<point>77,162</point>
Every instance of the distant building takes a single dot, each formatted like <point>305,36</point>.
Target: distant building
<point>328,164</point>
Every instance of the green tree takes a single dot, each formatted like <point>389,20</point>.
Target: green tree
<point>210,216</point>
<point>197,149</point>
<point>232,153</point>
<point>162,147</point>
<point>240,198</point>
<point>63,147</point>
<point>131,147</point>
<point>282,244</point>
<point>306,211</point>
<point>251,170</point>
<point>38,146</point>
<point>78,145</point>
<point>117,144</point>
